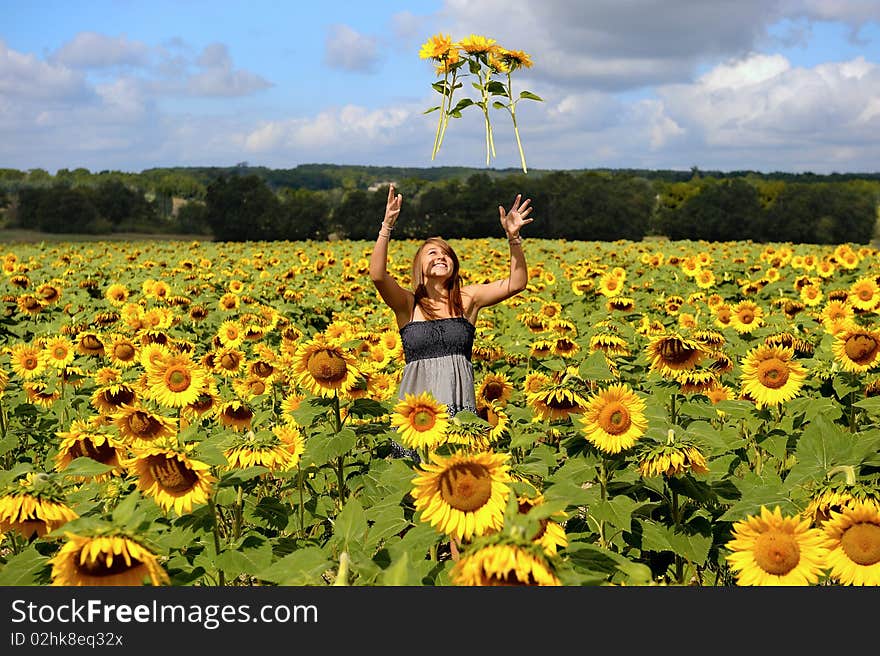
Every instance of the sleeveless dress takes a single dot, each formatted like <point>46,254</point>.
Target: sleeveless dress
<point>438,360</point>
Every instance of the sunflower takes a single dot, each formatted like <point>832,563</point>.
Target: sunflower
<point>153,355</point>
<point>723,313</point>
<point>535,381</point>
<point>503,565</point>
<point>774,550</point>
<point>853,541</point>
<point>250,387</point>
<point>110,398</point>
<point>117,293</point>
<point>551,535</point>
<point>206,405</point>
<point>39,393</point>
<point>439,48</point>
<point>676,457</point>
<point>325,369</point>
<point>672,353</point>
<point>141,425</point>
<point>811,294</point>
<point>176,381</point>
<point>476,44</point>
<point>89,343</point>
<point>34,507</point>
<point>171,478</point>
<point>253,451</point>
<point>230,333</point>
<point>58,351</point>
<point>697,381</point>
<point>29,304</point>
<point>27,360</point>
<point>770,376</point>
<point>122,351</point>
<point>106,560</point>
<point>614,419</point>
<point>293,440</point>
<point>421,421</point>
<point>82,440</point>
<point>235,414</point>
<point>835,315</point>
<point>864,294</point>
<point>463,495</point>
<point>610,285</point>
<point>856,348</point>
<point>746,316</point>
<point>495,387</point>
<point>837,495</point>
<point>556,401</point>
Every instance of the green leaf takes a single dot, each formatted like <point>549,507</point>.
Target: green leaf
<point>595,367</point>
<point>84,466</point>
<point>350,525</point>
<point>401,573</point>
<point>530,96</point>
<point>24,568</point>
<point>617,512</point>
<point>252,557</point>
<point>302,567</point>
<point>321,449</point>
<point>871,405</point>
<point>8,444</point>
<point>767,490</point>
<point>659,537</point>
<point>843,386</point>
<point>822,446</point>
<point>239,476</point>
<point>496,88</point>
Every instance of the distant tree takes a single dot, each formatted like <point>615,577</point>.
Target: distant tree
<point>241,208</point>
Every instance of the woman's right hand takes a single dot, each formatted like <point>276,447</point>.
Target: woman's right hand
<point>392,208</point>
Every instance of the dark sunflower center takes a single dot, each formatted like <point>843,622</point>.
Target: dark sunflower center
<point>96,565</point>
<point>423,419</point>
<point>773,373</point>
<point>30,362</point>
<point>614,419</point>
<point>91,343</point>
<point>327,366</point>
<point>466,487</point>
<point>263,369</point>
<point>203,403</point>
<point>124,352</point>
<point>86,448</point>
<point>865,294</point>
<point>171,474</point>
<point>562,403</point>
<point>675,352</point>
<point>257,387</point>
<point>493,391</point>
<point>861,543</point>
<point>777,552</point>
<point>746,316</point>
<point>59,352</point>
<point>177,379</point>
<point>120,396</point>
<point>143,425</point>
<point>240,413</point>
<point>230,361</point>
<point>861,348</point>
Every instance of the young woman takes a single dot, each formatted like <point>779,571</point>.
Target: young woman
<point>437,317</point>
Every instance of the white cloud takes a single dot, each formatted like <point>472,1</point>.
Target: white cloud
<point>93,50</point>
<point>349,50</point>
<point>26,78</point>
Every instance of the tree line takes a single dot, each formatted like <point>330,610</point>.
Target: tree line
<point>246,204</point>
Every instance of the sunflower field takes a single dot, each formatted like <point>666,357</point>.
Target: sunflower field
<point>650,413</point>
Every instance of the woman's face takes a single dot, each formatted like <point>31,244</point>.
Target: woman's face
<point>435,262</point>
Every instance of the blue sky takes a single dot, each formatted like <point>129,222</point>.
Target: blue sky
<point>767,85</point>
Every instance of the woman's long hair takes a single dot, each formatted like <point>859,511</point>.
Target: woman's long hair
<point>453,283</point>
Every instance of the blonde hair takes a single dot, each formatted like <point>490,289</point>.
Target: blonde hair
<point>453,284</point>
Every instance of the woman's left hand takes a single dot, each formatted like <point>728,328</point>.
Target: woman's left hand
<point>516,217</point>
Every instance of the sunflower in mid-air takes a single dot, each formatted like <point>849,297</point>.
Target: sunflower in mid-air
<point>772,549</point>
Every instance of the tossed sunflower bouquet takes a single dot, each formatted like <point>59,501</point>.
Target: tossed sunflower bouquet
<point>492,66</point>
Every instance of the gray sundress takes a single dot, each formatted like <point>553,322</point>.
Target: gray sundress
<point>438,360</point>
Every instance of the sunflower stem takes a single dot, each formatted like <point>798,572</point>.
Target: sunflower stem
<point>438,136</point>
<point>299,484</point>
<point>340,461</point>
<point>237,517</point>
<point>216,531</point>
<point>512,109</point>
